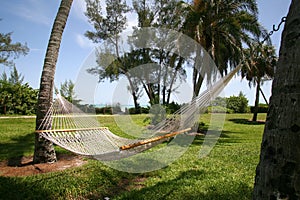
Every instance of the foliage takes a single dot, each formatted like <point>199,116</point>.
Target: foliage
<point>226,173</point>
<point>15,97</point>
<point>141,110</point>
<point>218,109</point>
<point>108,27</point>
<point>260,109</point>
<point>172,107</point>
<point>239,104</point>
<point>67,91</point>
<point>259,65</point>
<point>222,28</point>
<point>10,50</point>
<point>219,101</point>
<point>233,104</point>
<point>109,109</point>
<point>15,77</point>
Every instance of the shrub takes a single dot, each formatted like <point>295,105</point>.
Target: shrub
<point>261,108</point>
<point>172,107</point>
<point>218,109</point>
<point>140,110</point>
<point>107,110</point>
<point>239,104</point>
<point>219,101</point>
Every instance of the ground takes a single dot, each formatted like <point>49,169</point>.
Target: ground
<point>25,167</point>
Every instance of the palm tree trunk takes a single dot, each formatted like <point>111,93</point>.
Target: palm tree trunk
<point>262,93</point>
<point>44,151</point>
<point>278,171</point>
<point>254,118</point>
<point>179,65</point>
<point>197,74</point>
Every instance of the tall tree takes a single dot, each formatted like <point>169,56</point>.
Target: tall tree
<point>10,50</point>
<point>107,29</point>
<point>221,27</point>
<point>277,174</point>
<point>67,91</point>
<point>168,66</point>
<point>260,64</point>
<point>44,151</point>
<point>15,77</point>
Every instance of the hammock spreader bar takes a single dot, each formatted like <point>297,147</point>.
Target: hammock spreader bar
<point>155,139</point>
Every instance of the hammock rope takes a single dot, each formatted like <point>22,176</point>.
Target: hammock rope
<point>70,128</point>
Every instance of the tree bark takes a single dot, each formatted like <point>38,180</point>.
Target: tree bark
<point>278,172</point>
<point>44,151</point>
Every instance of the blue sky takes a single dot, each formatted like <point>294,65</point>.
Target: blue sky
<point>31,22</point>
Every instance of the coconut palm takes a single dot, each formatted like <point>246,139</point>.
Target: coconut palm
<point>222,27</point>
<point>44,151</point>
<point>259,66</point>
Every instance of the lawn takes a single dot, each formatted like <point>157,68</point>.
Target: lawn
<point>226,173</point>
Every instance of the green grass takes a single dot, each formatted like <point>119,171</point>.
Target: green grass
<point>226,173</point>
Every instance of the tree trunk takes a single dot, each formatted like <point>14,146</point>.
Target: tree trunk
<point>254,118</point>
<point>44,151</point>
<point>133,93</point>
<point>278,172</point>
<point>179,65</point>
<point>262,93</point>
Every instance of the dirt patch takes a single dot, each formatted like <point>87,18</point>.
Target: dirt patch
<point>25,166</point>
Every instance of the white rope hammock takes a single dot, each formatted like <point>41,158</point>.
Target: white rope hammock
<point>70,128</point>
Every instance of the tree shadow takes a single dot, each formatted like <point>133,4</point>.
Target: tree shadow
<point>225,137</point>
<point>175,189</point>
<point>20,188</point>
<point>99,182</point>
<point>14,150</point>
<point>246,121</point>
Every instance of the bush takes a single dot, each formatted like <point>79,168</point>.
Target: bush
<point>239,104</point>
<point>172,107</point>
<point>218,109</point>
<point>107,110</point>
<point>140,110</point>
<point>261,109</point>
<point>219,101</point>
<point>17,98</point>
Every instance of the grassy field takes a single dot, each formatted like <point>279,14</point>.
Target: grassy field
<point>227,173</point>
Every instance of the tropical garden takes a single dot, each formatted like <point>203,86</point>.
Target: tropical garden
<point>254,158</point>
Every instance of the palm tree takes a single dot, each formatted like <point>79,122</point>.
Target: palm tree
<point>44,151</point>
<point>259,65</point>
<point>277,174</point>
<point>222,27</point>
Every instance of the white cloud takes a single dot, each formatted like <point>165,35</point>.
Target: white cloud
<point>35,11</point>
<point>84,42</point>
<point>132,20</point>
<point>79,7</point>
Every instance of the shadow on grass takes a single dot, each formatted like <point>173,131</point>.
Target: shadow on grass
<point>246,122</point>
<point>18,188</point>
<point>187,185</point>
<point>92,181</point>
<point>15,149</point>
<point>225,137</point>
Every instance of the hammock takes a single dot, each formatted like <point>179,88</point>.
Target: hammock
<point>70,128</point>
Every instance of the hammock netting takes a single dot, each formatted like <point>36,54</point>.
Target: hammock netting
<point>70,128</point>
